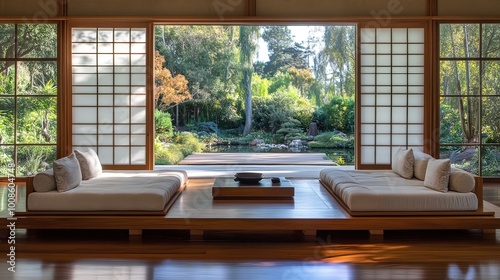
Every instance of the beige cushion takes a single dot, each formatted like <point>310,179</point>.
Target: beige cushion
<point>90,164</point>
<point>44,181</point>
<point>437,174</point>
<point>67,173</point>
<point>461,181</point>
<point>420,165</point>
<point>403,162</point>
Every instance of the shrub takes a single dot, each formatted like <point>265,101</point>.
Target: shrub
<point>167,154</point>
<point>290,130</point>
<point>163,123</point>
<point>332,140</point>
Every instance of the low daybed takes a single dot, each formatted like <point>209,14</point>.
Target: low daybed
<point>129,192</point>
<point>417,185</point>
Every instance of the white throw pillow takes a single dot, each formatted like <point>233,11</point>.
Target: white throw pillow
<point>437,174</point>
<point>90,164</point>
<point>461,181</point>
<point>402,163</point>
<point>67,173</point>
<point>44,181</point>
<point>420,165</point>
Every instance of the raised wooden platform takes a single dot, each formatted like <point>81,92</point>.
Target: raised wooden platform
<point>257,159</point>
<point>312,209</point>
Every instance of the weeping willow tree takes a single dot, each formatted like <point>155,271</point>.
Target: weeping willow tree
<point>248,46</point>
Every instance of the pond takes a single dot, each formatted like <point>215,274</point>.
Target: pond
<point>340,156</point>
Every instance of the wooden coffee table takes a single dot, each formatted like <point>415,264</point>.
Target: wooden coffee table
<point>227,188</point>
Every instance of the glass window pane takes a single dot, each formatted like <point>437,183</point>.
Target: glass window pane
<point>37,78</point>
<point>7,78</point>
<point>34,159</point>
<point>7,40</point>
<point>459,40</point>
<point>491,161</point>
<point>490,77</point>
<point>491,40</point>
<point>452,117</point>
<point>37,120</point>
<point>462,158</point>
<point>459,78</point>
<point>491,120</point>
<point>37,40</point>
<point>7,120</point>
<point>6,160</point>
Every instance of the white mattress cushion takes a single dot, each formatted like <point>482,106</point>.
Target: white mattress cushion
<point>114,191</point>
<point>386,191</point>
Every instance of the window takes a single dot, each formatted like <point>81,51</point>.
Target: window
<point>109,93</point>
<point>470,97</point>
<point>28,97</point>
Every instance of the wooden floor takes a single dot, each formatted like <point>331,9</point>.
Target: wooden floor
<point>262,254</point>
<point>257,159</point>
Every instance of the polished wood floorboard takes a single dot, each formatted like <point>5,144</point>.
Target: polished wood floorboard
<point>171,254</point>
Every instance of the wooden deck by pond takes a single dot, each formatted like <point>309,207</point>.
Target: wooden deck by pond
<point>257,159</point>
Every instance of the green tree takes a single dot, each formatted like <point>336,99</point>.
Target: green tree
<point>248,46</point>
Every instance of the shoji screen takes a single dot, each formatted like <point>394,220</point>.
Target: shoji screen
<point>109,93</point>
<point>391,93</point>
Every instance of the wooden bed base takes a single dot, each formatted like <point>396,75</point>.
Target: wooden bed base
<point>478,190</point>
<point>163,212</point>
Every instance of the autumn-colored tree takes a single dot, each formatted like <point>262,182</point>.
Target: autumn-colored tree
<point>169,90</point>
<point>302,79</point>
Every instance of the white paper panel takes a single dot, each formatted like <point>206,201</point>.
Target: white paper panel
<point>84,79</point>
<point>368,79</point>
<point>399,35</point>
<point>383,128</point>
<point>122,59</point>
<point>384,70</point>
<point>399,128</point>
<point>122,35</point>
<point>138,69</point>
<point>383,89</point>
<point>138,79</point>
<point>383,60</point>
<point>85,129</point>
<point>400,90</point>
<point>122,155</point>
<point>415,89</point>
<point>84,69</point>
<point>84,100</point>
<point>367,128</point>
<point>383,99</point>
<point>416,114</point>
<point>122,129</point>
<point>368,100</point>
<point>105,35</point>
<point>105,114</point>
<point>416,60</point>
<point>122,100</point>
<point>122,69</point>
<point>416,48</point>
<point>399,114</point>
<point>400,60</point>
<point>399,70</point>
<point>122,79</point>
<point>105,100</point>
<point>383,139</point>
<point>416,128</point>
<point>84,89</point>
<point>105,155</point>
<point>416,35</point>
<point>84,59</point>
<point>383,79</point>
<point>122,115</point>
<point>106,140</point>
<point>399,48</point>
<point>83,35</point>
<point>138,129</point>
<point>368,35</point>
<point>384,48</point>
<point>399,99</point>
<point>122,90</point>
<point>138,115</point>
<point>399,140</point>
<point>138,48</point>
<point>138,34</point>
<point>367,139</point>
<point>122,48</point>
<point>122,140</point>
<point>416,100</point>
<point>415,79</point>
<point>105,69</point>
<point>84,140</point>
<point>367,89</point>
<point>84,115</point>
<point>138,59</point>
<point>383,35</point>
<point>383,155</point>
<point>416,140</point>
<point>367,114</point>
<point>399,79</point>
<point>367,60</point>
<point>105,48</point>
<point>138,140</point>
<point>138,100</point>
<point>105,59</point>
<point>138,155</point>
<point>416,70</point>
<point>106,128</point>
<point>105,79</point>
<point>368,155</point>
<point>383,114</point>
<point>83,47</point>
<point>138,90</point>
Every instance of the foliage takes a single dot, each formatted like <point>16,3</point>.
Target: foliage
<point>168,90</point>
<point>163,123</point>
<point>167,154</point>
<point>332,140</point>
<point>207,128</point>
<point>178,147</point>
<point>290,130</point>
<point>450,129</point>
<point>338,114</point>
